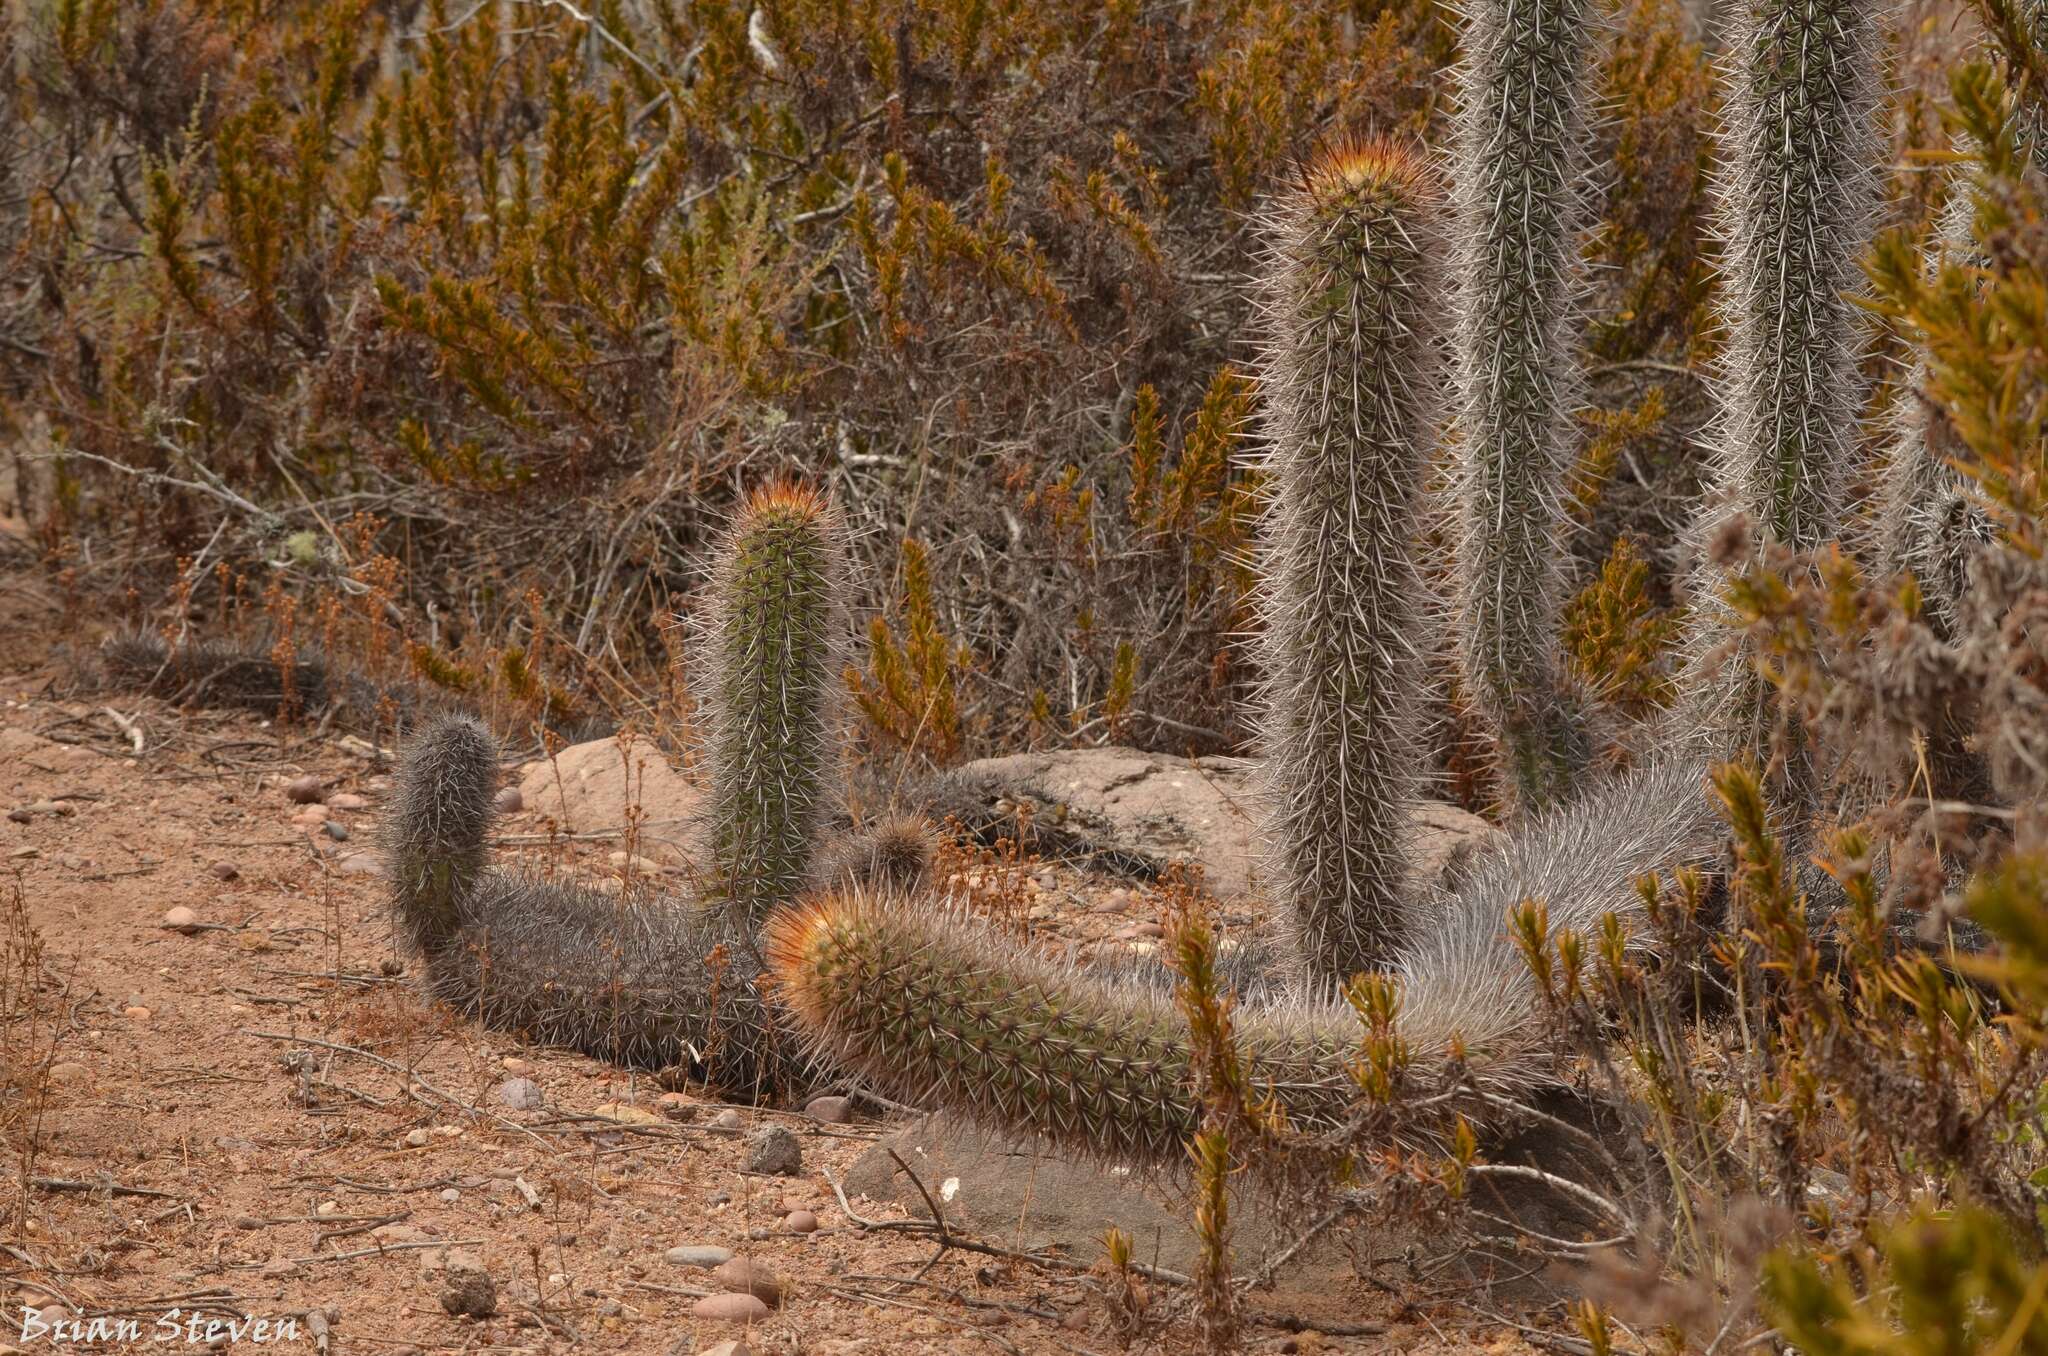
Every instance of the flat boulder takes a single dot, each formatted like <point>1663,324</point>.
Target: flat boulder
<point>586,788</point>
<point>1135,813</point>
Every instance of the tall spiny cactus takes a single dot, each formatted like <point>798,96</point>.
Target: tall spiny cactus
<point>1798,199</point>
<point>777,628</point>
<point>947,1015</point>
<point>1927,522</point>
<point>1349,391</point>
<point>670,981</point>
<point>1520,161</point>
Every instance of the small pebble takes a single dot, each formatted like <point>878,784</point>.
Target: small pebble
<point>514,1065</point>
<point>702,1255</point>
<point>726,1122</point>
<point>360,864</point>
<point>304,790</point>
<point>831,1110</point>
<point>347,800</point>
<point>327,1208</point>
<point>224,870</point>
<point>336,830</point>
<point>449,1195</point>
<point>745,1274</point>
<point>800,1222</point>
<point>69,1073</point>
<point>181,919</point>
<point>774,1149</point>
<point>137,1013</point>
<point>417,1139</point>
<point>20,815</point>
<point>521,1094</point>
<point>509,801</point>
<point>730,1308</point>
<point>735,1347</point>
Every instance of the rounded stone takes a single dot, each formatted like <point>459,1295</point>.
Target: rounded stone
<point>730,1308</point>
<point>521,1094</point>
<point>745,1274</point>
<point>775,1150</point>
<point>181,919</point>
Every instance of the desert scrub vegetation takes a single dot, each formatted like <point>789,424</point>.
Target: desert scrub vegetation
<point>529,292</point>
<point>537,289</point>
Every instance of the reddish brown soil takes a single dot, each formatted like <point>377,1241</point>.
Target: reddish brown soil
<point>217,1120</point>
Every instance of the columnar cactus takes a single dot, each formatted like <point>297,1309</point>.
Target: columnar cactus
<point>645,985</point>
<point>944,1014</point>
<point>670,981</point>
<point>1927,524</point>
<point>775,639</point>
<point>1520,161</point>
<point>1349,392</point>
<point>1799,194</point>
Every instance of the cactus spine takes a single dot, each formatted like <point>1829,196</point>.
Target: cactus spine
<point>943,1014</point>
<point>1349,403</point>
<point>643,985</point>
<point>777,628</point>
<point>1799,197</point>
<point>1927,524</point>
<point>664,982</point>
<point>1520,161</point>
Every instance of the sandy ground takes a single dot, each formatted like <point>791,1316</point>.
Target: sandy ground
<point>261,1118</point>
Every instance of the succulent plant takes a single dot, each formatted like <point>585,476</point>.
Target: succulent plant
<point>1798,201</point>
<point>645,984</point>
<point>1927,524</point>
<point>934,1011</point>
<point>1349,389</point>
<point>1518,167</point>
<point>942,1013</point>
<point>775,641</point>
<point>669,981</point>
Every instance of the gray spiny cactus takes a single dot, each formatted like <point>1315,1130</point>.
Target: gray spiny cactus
<point>669,981</point>
<point>935,1012</point>
<point>1517,177</point>
<point>776,642</point>
<point>1927,523</point>
<point>1350,397</point>
<point>1798,201</point>
<point>648,985</point>
<point>938,1012</point>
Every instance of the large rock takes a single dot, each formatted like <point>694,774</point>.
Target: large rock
<point>1137,812</point>
<point>586,788</point>
<point>1026,1197</point>
<point>1020,1194</point>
